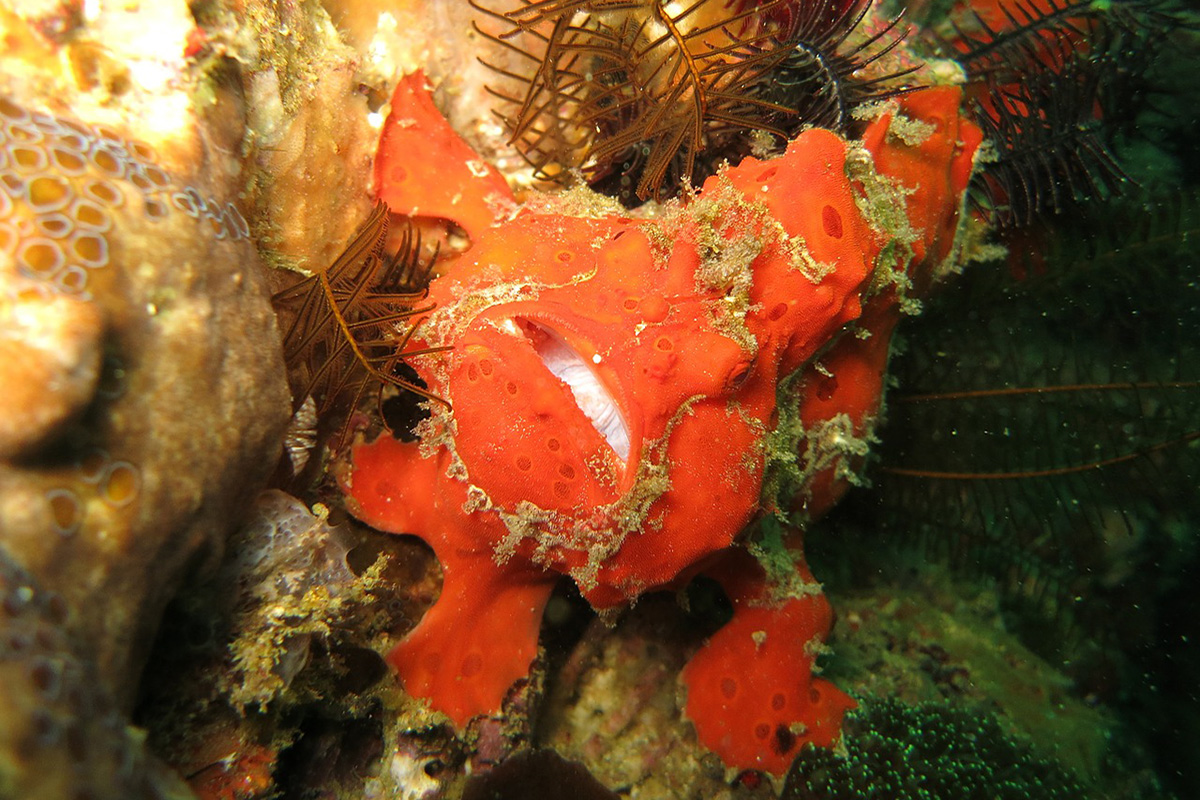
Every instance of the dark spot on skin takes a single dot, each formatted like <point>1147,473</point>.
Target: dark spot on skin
<point>832,222</point>
<point>784,740</point>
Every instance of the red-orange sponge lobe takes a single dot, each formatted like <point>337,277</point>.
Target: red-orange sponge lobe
<point>935,171</point>
<point>480,637</point>
<point>423,168</point>
<point>808,284</point>
<point>760,719</point>
<point>750,690</point>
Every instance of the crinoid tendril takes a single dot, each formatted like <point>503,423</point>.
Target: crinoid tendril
<point>1051,149</point>
<point>635,87</point>
<point>1054,82</point>
<point>1038,449</point>
<point>1001,45</point>
<point>643,97</point>
<point>829,68</point>
<point>350,324</point>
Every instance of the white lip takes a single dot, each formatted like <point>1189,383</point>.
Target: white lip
<point>591,395</point>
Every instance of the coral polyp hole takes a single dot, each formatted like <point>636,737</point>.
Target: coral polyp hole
<point>729,688</point>
<point>630,304</point>
<point>831,220</point>
<point>777,312</point>
<point>561,490</point>
<point>91,216</point>
<point>72,280</point>
<point>524,463</point>
<point>49,194</point>
<point>762,730</point>
<point>472,373</point>
<point>46,678</point>
<point>486,367</point>
<point>739,374</point>
<point>141,150</point>
<point>40,257</point>
<point>104,193</point>
<point>553,444</point>
<point>26,134</point>
<point>767,174</point>
<point>141,181</point>
<point>68,162</point>
<point>47,731</point>
<point>90,249</point>
<point>56,226</point>
<point>185,203</point>
<point>567,471</point>
<point>565,256</point>
<point>121,484</point>
<point>105,159</point>
<point>156,209</point>
<point>72,140</point>
<point>12,185</point>
<point>92,464</point>
<point>217,228</point>
<point>32,159</point>
<point>511,388</point>
<point>778,701</point>
<point>240,229</point>
<point>111,137</point>
<point>44,122</point>
<point>664,344</point>
<point>814,695</point>
<point>157,176</point>
<point>66,511</point>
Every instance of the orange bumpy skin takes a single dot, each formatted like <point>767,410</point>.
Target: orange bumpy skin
<point>614,384</point>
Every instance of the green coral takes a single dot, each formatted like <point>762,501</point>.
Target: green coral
<point>929,751</point>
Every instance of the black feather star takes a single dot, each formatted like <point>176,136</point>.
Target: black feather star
<point>1050,150</point>
<point>1044,25</point>
<point>1054,83</point>
<point>350,324</point>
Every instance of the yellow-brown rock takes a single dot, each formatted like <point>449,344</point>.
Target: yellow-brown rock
<point>142,387</point>
<point>60,732</point>
<point>189,403</point>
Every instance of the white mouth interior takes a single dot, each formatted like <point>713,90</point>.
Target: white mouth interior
<point>591,395</point>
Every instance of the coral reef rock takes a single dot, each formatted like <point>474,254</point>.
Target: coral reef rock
<point>61,735</point>
<point>144,390</point>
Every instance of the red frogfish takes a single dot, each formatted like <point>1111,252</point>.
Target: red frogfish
<point>630,393</point>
